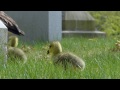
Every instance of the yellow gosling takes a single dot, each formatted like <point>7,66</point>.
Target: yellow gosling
<point>59,57</point>
<point>13,51</point>
<point>17,53</point>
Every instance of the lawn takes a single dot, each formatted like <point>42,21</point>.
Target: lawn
<point>101,61</point>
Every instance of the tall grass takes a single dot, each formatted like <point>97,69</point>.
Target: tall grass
<point>101,61</point>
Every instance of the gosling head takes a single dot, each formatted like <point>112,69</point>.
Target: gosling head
<point>54,48</point>
<point>13,41</point>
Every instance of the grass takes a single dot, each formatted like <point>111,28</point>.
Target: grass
<point>101,61</point>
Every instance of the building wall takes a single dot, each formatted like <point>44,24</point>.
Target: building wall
<point>55,26</point>
<point>38,25</point>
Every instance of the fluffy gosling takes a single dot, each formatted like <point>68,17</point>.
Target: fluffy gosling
<point>59,57</point>
<point>13,51</point>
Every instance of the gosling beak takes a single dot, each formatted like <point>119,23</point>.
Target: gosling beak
<point>48,52</point>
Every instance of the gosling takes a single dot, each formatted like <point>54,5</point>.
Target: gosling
<point>13,51</point>
<point>59,57</point>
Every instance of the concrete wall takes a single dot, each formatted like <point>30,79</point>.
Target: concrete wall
<point>38,25</point>
<point>3,44</point>
<point>55,25</point>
